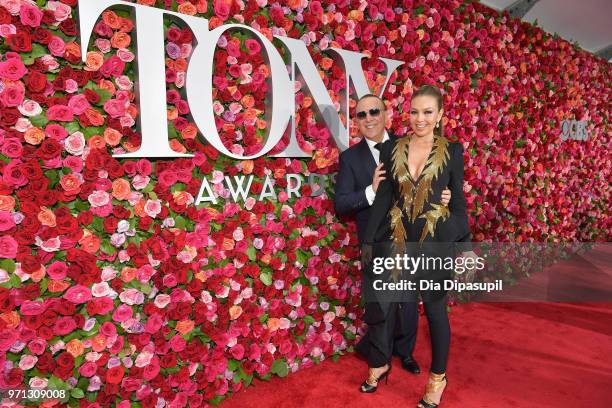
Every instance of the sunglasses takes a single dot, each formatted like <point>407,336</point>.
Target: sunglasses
<point>373,113</point>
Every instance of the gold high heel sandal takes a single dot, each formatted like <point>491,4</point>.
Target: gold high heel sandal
<point>437,383</point>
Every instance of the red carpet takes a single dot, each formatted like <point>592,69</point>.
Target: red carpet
<point>502,355</point>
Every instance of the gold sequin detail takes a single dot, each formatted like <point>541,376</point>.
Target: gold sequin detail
<point>415,196</point>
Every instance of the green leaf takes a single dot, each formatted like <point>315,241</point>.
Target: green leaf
<point>107,247</point>
<point>266,277</point>
<point>233,364</point>
<point>56,384</point>
<point>81,205</point>
<point>91,131</point>
<point>279,367</point>
<point>72,127</point>
<point>251,253</point>
<point>39,120</point>
<point>308,320</point>
<point>104,96</point>
<point>180,222</point>
<point>248,379</point>
<point>77,393</point>
<point>8,265</point>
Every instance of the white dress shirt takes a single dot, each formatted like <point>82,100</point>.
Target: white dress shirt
<point>369,191</point>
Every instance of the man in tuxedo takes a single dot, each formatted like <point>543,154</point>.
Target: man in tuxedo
<point>356,184</point>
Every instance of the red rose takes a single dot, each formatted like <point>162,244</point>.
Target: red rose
<point>110,224</point>
<point>65,360</point>
<point>36,81</point>
<point>9,116</point>
<point>68,27</point>
<point>5,16</point>
<point>49,149</point>
<point>91,96</point>
<point>20,42</point>
<point>14,377</point>
<point>42,36</point>
<point>112,67</point>
<point>115,374</point>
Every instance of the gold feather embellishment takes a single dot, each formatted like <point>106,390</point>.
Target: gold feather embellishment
<point>401,172</point>
<point>431,219</point>
<point>433,167</point>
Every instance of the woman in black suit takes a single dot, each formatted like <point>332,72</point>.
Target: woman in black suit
<point>405,214</point>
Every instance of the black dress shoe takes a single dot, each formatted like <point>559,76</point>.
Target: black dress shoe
<point>411,365</point>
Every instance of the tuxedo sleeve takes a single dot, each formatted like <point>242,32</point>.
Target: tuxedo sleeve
<point>347,197</point>
<point>457,204</point>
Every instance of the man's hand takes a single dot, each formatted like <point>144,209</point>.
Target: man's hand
<point>379,175</point>
<point>446,196</point>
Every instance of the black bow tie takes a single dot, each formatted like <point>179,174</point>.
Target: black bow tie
<point>378,146</point>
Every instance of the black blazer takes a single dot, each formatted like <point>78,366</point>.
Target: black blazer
<point>356,172</point>
<point>444,168</point>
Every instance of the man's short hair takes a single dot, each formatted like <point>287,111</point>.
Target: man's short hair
<point>372,96</point>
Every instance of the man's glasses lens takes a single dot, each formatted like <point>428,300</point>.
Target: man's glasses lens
<point>373,112</point>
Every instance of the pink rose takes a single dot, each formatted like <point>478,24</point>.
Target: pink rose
<point>7,29</point>
<point>60,11</point>
<point>64,325</point>
<point>37,346</point>
<point>57,46</point>
<point>115,108</point>
<point>112,67</point>
<point>152,208</point>
<point>61,113</point>
<point>57,270</point>
<point>178,343</point>
<point>222,9</point>
<point>55,131</point>
<point>237,351</point>
<point>78,294</point>
<point>99,198</point>
<point>6,221</point>
<point>8,247</point>
<point>30,108</point>
<point>108,329</point>
<point>75,144</point>
<point>12,69</point>
<point>153,323</point>
<point>88,369</point>
<point>12,148</point>
<point>32,308</point>
<point>122,313</point>
<point>73,163</point>
<point>79,104</point>
<point>150,371</point>
<point>7,338</point>
<point>13,94</point>
<point>30,15</point>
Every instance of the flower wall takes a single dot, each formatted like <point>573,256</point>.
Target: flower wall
<point>116,287</point>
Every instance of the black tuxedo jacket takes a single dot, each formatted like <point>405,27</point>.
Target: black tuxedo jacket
<point>356,172</point>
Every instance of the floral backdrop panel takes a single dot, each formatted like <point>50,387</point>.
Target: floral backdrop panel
<point>116,286</point>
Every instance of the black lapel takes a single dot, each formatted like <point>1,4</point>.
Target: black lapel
<point>365,155</point>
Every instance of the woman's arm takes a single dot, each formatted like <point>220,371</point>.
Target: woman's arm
<point>457,204</point>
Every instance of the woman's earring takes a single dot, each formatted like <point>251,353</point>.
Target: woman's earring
<point>438,125</point>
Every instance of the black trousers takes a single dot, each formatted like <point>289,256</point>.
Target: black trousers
<point>394,335</point>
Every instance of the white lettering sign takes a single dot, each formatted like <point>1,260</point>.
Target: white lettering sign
<point>152,85</point>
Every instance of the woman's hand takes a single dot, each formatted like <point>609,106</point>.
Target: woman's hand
<point>446,196</point>
<point>469,272</point>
